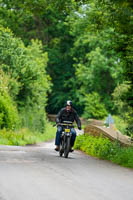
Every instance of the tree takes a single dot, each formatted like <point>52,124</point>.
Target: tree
<point>45,20</point>
<point>9,117</point>
<point>29,81</point>
<point>98,64</point>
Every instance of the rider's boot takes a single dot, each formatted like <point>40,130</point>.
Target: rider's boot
<point>57,148</point>
<point>71,149</point>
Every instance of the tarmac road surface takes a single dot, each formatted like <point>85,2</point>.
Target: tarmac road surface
<point>38,173</point>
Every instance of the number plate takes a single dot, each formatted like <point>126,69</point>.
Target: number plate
<point>67,130</point>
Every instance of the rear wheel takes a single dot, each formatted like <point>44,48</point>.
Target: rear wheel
<point>67,147</point>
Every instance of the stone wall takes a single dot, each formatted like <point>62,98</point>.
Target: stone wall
<point>112,133</point>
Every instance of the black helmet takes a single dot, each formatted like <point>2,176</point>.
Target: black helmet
<point>69,103</point>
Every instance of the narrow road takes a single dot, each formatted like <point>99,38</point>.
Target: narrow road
<point>38,173</point>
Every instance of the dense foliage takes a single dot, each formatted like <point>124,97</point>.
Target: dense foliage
<point>25,136</point>
<point>24,82</point>
<point>93,107</point>
<point>87,46</point>
<point>8,112</point>
<point>103,148</point>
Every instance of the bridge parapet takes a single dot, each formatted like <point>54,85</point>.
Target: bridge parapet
<point>112,133</point>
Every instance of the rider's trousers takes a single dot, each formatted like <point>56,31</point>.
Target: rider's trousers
<point>58,135</point>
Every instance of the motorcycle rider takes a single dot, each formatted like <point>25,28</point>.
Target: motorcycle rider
<point>66,114</point>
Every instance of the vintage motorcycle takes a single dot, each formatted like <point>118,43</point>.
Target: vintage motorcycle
<point>65,143</point>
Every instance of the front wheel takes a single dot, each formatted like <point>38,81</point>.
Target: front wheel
<point>67,147</point>
<point>61,151</point>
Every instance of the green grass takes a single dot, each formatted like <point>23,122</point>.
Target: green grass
<point>25,136</point>
<point>103,148</point>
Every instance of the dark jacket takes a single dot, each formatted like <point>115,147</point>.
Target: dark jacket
<point>64,115</point>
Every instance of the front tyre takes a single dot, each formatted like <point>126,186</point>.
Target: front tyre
<point>61,151</point>
<point>67,147</point>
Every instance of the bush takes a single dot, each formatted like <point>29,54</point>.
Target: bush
<point>9,117</point>
<point>33,118</point>
<point>123,156</point>
<point>8,113</point>
<point>103,148</point>
<point>123,103</point>
<point>99,147</point>
<point>25,136</point>
<point>93,107</point>
<point>120,124</point>
<point>28,79</point>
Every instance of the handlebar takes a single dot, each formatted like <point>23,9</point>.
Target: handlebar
<point>65,123</point>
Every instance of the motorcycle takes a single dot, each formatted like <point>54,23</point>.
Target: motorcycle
<point>65,143</point>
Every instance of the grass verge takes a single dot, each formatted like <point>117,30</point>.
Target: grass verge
<point>103,148</point>
<point>25,136</point>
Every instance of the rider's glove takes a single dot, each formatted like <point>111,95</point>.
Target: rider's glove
<point>79,127</point>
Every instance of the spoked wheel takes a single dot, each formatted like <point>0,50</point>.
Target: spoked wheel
<point>61,151</point>
<point>67,147</point>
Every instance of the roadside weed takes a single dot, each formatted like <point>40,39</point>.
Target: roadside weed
<point>103,148</point>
